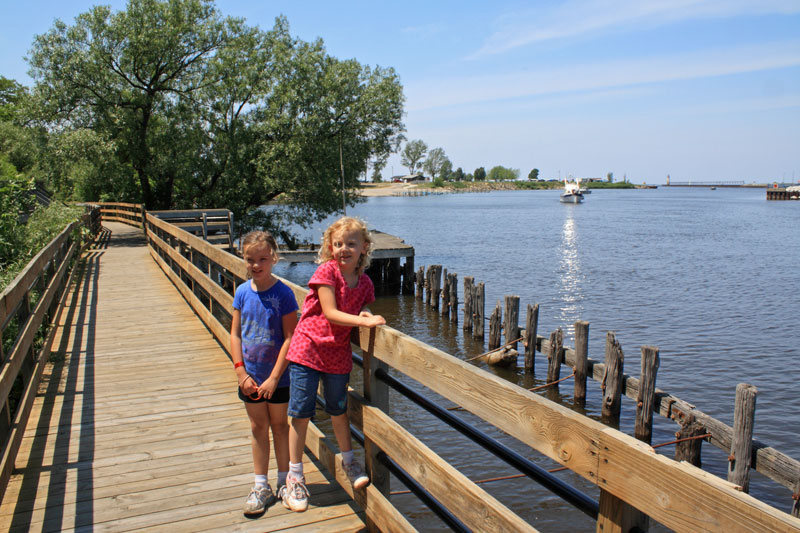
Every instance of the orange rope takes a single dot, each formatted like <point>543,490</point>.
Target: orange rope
<point>682,440</point>
<point>553,383</point>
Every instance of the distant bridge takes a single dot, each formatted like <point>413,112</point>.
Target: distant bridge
<point>705,184</point>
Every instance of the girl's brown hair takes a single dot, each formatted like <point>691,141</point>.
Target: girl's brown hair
<point>346,224</point>
<point>261,237</point>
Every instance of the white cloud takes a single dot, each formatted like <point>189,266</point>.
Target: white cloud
<point>429,94</point>
<point>581,17</point>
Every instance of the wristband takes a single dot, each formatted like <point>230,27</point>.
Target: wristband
<point>237,364</point>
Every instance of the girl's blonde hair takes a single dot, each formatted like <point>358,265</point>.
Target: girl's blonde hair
<point>346,224</point>
<point>261,237</point>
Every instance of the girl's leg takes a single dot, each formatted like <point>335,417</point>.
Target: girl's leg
<point>279,424</point>
<point>297,439</point>
<point>259,426</point>
<point>341,428</point>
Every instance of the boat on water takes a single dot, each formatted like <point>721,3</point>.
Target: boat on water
<point>572,193</point>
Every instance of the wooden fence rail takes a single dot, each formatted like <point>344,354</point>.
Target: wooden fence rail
<point>678,495</point>
<point>29,309</point>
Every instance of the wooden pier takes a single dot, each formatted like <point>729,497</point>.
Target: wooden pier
<point>127,416</point>
<point>780,193</point>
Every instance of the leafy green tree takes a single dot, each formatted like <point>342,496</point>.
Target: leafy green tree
<point>501,173</point>
<point>204,110</point>
<point>446,171</point>
<point>610,177</point>
<point>479,174</point>
<point>533,175</point>
<point>413,154</point>
<point>15,199</point>
<point>459,175</point>
<point>436,163</point>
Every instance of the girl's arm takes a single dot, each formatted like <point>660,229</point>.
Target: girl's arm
<point>271,383</point>
<point>327,299</point>
<point>246,383</point>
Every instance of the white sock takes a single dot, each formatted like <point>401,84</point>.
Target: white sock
<point>282,478</point>
<point>261,480</point>
<point>347,457</point>
<point>296,470</point>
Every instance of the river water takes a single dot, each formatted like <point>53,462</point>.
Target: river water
<point>710,277</point>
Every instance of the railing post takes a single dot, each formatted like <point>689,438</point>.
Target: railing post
<point>742,441</point>
<point>376,394</point>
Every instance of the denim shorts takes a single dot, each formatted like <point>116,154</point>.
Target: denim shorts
<point>303,395</point>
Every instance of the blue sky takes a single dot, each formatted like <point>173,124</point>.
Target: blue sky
<point>697,89</point>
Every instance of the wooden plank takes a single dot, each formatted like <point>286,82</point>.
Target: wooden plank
<point>469,503</point>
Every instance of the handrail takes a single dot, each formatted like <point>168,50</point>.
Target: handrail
<point>678,495</point>
<point>29,308</point>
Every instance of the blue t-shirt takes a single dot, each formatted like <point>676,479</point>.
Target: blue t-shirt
<point>262,327</point>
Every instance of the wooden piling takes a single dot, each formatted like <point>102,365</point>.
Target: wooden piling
<point>408,276</point>
<point>511,324</point>
<point>556,356</point>
<point>446,294</point>
<point>478,299</point>
<point>742,440</point>
<point>468,310</point>
<point>581,364</point>
<point>436,285</point>
<point>494,327</point>
<point>420,281</point>
<point>428,285</point>
<point>454,298</point>
<point>643,429</point>
<point>689,450</point>
<point>612,380</point>
<point>531,324</point>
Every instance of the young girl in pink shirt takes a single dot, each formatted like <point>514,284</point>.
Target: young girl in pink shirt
<point>320,349</point>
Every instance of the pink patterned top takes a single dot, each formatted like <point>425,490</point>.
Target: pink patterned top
<point>316,342</point>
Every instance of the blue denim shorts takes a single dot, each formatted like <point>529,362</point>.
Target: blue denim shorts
<point>303,393</point>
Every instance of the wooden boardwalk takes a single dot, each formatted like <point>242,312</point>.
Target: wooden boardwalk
<point>137,425</point>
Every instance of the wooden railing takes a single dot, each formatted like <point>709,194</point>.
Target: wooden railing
<point>132,214</point>
<point>629,472</point>
<point>29,308</point>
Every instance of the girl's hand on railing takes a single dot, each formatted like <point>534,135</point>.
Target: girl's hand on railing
<point>372,320</point>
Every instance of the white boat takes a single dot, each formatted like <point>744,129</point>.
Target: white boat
<point>572,193</point>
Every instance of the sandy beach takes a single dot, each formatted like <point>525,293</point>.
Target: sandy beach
<point>384,189</point>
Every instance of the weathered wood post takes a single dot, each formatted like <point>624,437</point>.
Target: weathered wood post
<point>454,298</point>
<point>479,326</point>
<point>230,231</point>
<point>512,320</point>
<point>446,293</point>
<point>531,325</point>
<point>468,283</point>
<point>428,285</point>
<point>742,439</point>
<point>436,281</point>
<point>612,380</point>
<point>205,226</point>
<point>643,429</point>
<point>555,356</point>
<point>394,274</point>
<point>689,450</point>
<point>581,363</point>
<point>420,279</point>
<point>494,327</point>
<point>408,276</point>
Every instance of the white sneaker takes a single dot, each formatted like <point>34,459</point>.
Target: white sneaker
<point>295,495</point>
<point>356,474</point>
<point>257,500</point>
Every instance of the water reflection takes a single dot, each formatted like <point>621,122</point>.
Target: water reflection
<point>571,275</point>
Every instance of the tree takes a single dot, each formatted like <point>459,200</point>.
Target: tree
<point>610,177</point>
<point>459,175</point>
<point>479,174</point>
<point>436,163</point>
<point>205,110</point>
<point>500,173</point>
<point>413,154</point>
<point>446,171</point>
<point>533,175</point>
